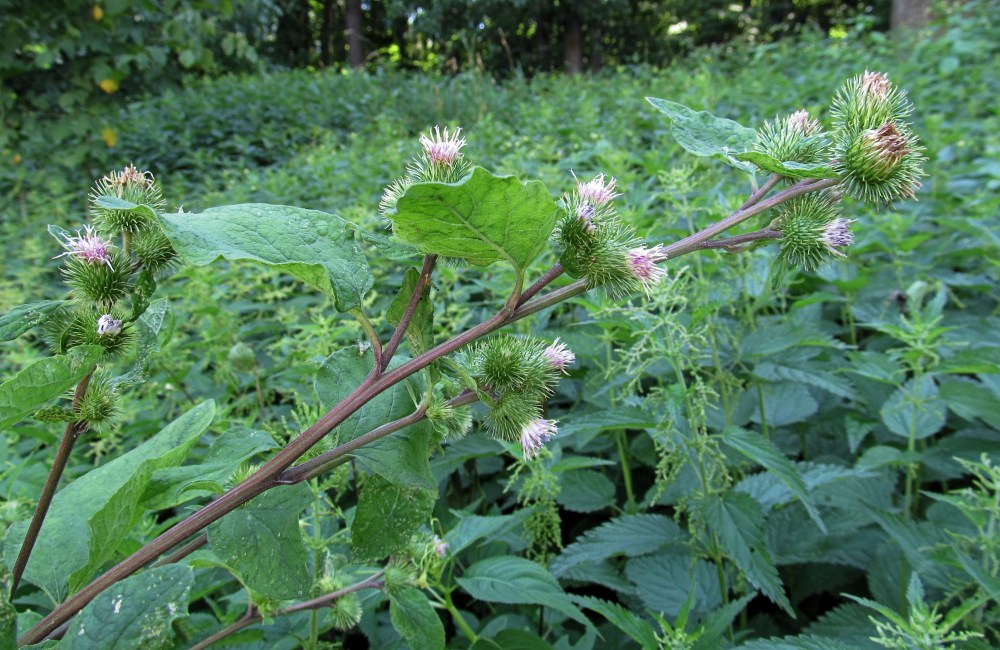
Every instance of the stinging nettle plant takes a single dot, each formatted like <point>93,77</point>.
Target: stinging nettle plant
<point>385,410</point>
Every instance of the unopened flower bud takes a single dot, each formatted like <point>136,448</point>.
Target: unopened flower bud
<point>875,86</point>
<point>89,247</point>
<point>535,434</point>
<point>442,148</point>
<point>559,355</point>
<point>108,325</point>
<point>800,121</point>
<point>642,262</point>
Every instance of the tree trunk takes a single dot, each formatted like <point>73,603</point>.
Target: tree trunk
<point>573,44</point>
<point>355,43</point>
<point>326,33</point>
<point>909,14</point>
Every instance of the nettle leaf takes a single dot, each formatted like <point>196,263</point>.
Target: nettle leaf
<point>89,517</point>
<point>704,134</point>
<point>514,639</point>
<point>22,318</point>
<point>800,642</point>
<point>666,581</point>
<point>915,409</point>
<point>585,491</point>
<point>420,331</point>
<point>400,457</point>
<point>415,619</point>
<point>153,330</point>
<point>788,168</point>
<point>819,378</point>
<point>629,535</point>
<point>43,380</point>
<point>785,403</point>
<point>970,400</point>
<point>472,528</point>
<point>136,613</point>
<point>173,486</point>
<point>387,516</point>
<point>8,621</point>
<point>315,247</point>
<point>764,452</point>
<point>517,581</point>
<point>738,522</point>
<point>481,219</point>
<point>261,543</point>
<point>628,622</point>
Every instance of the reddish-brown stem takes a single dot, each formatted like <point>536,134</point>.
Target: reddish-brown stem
<point>761,192</point>
<point>541,283</point>
<point>185,550</point>
<point>423,283</point>
<point>338,456</point>
<point>70,436</point>
<point>731,243</point>
<point>252,616</point>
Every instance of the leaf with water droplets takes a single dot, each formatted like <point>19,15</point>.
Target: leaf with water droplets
<point>261,543</point>
<point>138,612</point>
<point>315,247</point>
<point>387,516</point>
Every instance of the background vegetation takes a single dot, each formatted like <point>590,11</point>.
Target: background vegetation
<point>877,379</point>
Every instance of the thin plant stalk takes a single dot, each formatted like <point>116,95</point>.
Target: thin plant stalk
<point>254,616</point>
<point>73,432</point>
<point>377,382</point>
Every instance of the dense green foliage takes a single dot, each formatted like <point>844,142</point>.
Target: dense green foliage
<point>732,460</point>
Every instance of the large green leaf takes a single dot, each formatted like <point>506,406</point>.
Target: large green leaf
<point>585,491</point>
<point>415,620</point>
<point>764,452</point>
<point>89,517</point>
<point>387,516</point>
<point>738,523</point>
<point>22,318</point>
<point>628,622</point>
<point>316,247</point>
<point>472,528</point>
<point>517,581</point>
<point>43,380</point>
<point>400,457</point>
<point>704,134</point>
<point>481,219</point>
<point>261,542</point>
<point>137,613</point>
<point>172,486</point>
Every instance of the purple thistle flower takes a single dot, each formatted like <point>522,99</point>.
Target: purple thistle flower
<point>559,355</point>
<point>799,121</point>
<point>442,148</point>
<point>108,325</point>
<point>89,247</point>
<point>875,85</point>
<point>837,234</point>
<point>585,213</point>
<point>535,434</point>
<point>596,192</point>
<point>440,547</point>
<point>642,263</point>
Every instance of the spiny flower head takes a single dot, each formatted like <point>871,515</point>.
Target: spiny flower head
<point>596,192</point>
<point>559,355</point>
<point>811,231</point>
<point>88,247</point>
<point>868,100</point>
<point>127,180</point>
<point>879,164</point>
<point>795,138</point>
<point>133,186</point>
<point>108,325</point>
<point>642,262</point>
<point>535,434</point>
<point>442,148</point>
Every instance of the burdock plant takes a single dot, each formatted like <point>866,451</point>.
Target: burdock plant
<point>443,207</point>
